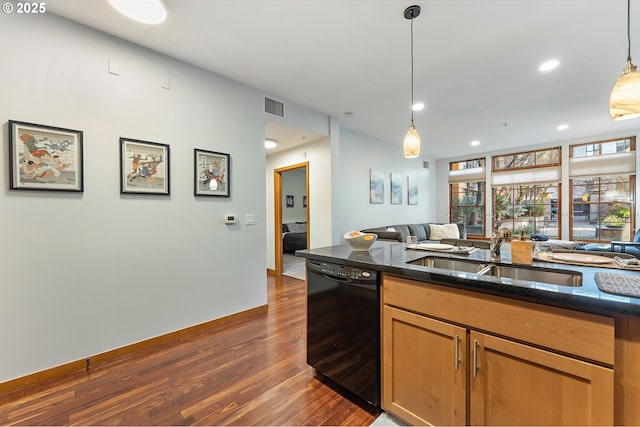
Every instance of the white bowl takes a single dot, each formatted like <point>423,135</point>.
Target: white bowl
<point>360,241</point>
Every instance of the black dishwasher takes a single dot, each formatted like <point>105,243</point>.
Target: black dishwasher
<point>343,326</point>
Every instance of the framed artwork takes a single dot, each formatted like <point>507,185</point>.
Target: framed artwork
<point>412,190</point>
<point>45,157</point>
<point>304,201</point>
<point>376,187</point>
<point>396,189</point>
<point>289,201</point>
<point>144,167</point>
<point>211,173</point>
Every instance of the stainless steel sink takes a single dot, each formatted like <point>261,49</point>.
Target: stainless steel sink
<point>558,277</point>
<point>450,264</point>
<point>529,274</point>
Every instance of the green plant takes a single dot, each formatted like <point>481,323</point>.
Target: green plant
<point>613,221</point>
<point>528,229</point>
<point>619,209</point>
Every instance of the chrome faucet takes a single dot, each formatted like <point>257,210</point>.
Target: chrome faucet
<point>496,242</point>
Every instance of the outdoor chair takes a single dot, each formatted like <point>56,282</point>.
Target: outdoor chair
<point>632,248</point>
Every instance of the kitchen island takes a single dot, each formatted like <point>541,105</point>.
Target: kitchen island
<point>464,348</point>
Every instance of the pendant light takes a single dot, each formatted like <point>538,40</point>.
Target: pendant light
<point>411,146</point>
<point>144,11</point>
<point>625,96</point>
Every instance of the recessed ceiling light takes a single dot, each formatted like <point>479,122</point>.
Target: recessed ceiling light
<point>549,65</point>
<point>475,142</point>
<point>418,106</point>
<point>563,127</point>
<point>270,143</point>
<point>145,11</point>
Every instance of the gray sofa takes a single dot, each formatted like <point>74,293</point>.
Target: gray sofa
<point>422,231</point>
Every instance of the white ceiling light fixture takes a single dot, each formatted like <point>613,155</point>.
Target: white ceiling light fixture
<point>418,106</point>
<point>563,127</point>
<point>270,143</point>
<point>549,65</point>
<point>411,146</point>
<point>625,97</point>
<point>475,143</point>
<point>145,11</point>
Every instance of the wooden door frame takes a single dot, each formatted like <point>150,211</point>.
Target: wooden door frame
<point>277,208</point>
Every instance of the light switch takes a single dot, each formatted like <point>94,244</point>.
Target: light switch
<point>165,82</point>
<point>250,219</point>
<point>114,67</point>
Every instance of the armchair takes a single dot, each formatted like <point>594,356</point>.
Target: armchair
<point>632,248</point>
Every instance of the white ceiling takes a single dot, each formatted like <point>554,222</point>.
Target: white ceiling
<point>476,61</point>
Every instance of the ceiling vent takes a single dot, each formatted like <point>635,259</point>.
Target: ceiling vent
<point>273,107</point>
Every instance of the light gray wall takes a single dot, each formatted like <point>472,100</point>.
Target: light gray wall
<point>337,207</point>
<point>86,273</point>
<point>317,154</point>
<point>294,183</point>
<point>359,154</point>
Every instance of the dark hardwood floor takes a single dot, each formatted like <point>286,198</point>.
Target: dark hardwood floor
<point>246,372</point>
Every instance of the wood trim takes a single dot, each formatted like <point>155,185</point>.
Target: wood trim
<point>77,365</point>
<point>271,272</point>
<point>277,211</point>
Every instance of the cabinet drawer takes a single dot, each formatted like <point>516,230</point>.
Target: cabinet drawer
<point>585,335</point>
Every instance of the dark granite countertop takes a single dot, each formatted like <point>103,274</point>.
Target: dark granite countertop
<point>393,257</point>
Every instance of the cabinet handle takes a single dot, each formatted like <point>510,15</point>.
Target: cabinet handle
<point>456,363</point>
<point>475,358</point>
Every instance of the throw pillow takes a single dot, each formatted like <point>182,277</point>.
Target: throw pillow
<point>389,235</point>
<point>295,227</point>
<point>443,231</point>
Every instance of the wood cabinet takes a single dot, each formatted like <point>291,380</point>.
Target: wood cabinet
<point>516,384</point>
<point>453,357</point>
<point>425,369</point>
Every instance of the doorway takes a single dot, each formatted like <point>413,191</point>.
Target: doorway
<point>291,205</point>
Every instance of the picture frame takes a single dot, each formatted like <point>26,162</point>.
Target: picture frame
<point>376,187</point>
<point>212,173</point>
<point>144,167</point>
<point>396,189</point>
<point>304,201</point>
<point>43,157</point>
<point>289,200</point>
<point>412,190</point>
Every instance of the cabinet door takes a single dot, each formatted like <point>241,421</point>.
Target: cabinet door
<point>424,369</point>
<point>515,384</point>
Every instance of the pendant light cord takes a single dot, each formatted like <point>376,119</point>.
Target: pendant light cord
<point>412,70</point>
<point>628,30</point>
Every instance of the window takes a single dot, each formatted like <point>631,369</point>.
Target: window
<point>527,160</point>
<point>602,178</point>
<point>527,209</point>
<point>467,195</point>
<point>601,208</point>
<point>526,192</point>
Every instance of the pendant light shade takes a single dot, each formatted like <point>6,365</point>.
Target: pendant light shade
<point>411,143</point>
<point>411,146</point>
<point>625,97</point>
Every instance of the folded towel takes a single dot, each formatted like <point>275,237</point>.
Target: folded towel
<point>632,263</point>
